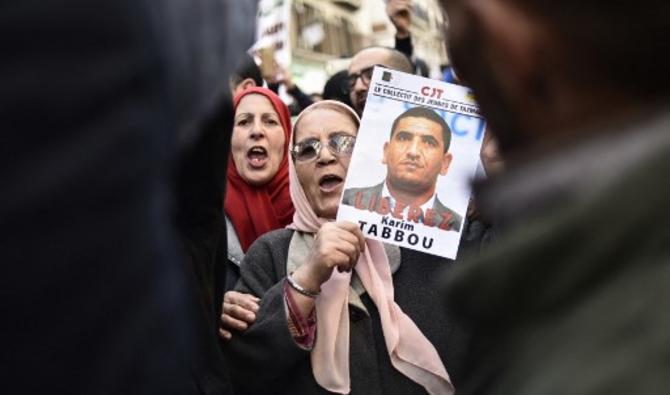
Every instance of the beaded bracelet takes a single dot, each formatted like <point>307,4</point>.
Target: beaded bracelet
<point>300,289</point>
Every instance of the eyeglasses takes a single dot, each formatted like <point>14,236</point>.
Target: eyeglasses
<point>365,76</point>
<point>338,144</point>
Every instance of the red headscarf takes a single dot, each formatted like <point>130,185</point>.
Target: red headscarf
<point>255,210</point>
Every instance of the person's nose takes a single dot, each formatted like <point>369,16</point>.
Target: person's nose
<point>413,150</point>
<point>257,130</point>
<point>325,157</point>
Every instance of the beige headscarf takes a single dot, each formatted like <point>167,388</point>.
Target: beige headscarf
<point>410,352</point>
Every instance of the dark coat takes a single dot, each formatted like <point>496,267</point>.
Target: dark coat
<point>201,226</point>
<point>265,359</point>
<point>98,102</point>
<point>371,196</point>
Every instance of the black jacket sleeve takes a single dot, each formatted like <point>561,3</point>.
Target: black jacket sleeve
<point>405,46</point>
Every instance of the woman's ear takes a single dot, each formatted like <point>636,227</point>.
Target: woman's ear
<point>247,83</point>
<point>244,85</point>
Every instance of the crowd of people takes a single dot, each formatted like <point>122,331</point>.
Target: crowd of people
<point>169,221</point>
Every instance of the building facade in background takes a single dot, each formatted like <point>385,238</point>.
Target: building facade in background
<point>324,34</point>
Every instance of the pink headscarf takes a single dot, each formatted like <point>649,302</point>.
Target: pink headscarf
<point>410,352</point>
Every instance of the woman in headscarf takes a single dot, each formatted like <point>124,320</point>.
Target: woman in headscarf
<point>371,330</point>
<point>257,194</point>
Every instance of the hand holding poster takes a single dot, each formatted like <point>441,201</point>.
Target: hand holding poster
<point>417,150</point>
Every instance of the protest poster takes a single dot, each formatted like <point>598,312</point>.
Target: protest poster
<point>272,31</point>
<point>416,153</point>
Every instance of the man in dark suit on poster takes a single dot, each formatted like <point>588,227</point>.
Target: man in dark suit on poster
<point>415,155</point>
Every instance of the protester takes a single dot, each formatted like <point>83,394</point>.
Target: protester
<point>202,236</point>
<point>99,100</point>
<point>301,100</point>
<point>368,327</point>
<point>257,194</point>
<point>360,71</point>
<point>568,300</point>
<point>247,74</point>
<point>400,14</point>
<point>337,88</point>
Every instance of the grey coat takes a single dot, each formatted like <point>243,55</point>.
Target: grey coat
<point>573,297</point>
<point>265,359</point>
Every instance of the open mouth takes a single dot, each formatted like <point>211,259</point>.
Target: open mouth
<point>257,156</point>
<point>330,182</point>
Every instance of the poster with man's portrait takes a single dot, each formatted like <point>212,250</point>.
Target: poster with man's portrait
<point>416,153</point>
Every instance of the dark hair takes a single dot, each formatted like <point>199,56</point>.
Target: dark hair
<point>426,113</point>
<point>246,68</point>
<point>624,44</point>
<point>421,68</point>
<point>337,88</point>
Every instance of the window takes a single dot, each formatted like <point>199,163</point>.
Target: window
<point>335,37</point>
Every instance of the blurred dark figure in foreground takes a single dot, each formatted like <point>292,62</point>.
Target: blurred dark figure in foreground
<point>572,298</point>
<point>98,101</point>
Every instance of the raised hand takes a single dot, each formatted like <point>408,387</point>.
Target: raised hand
<point>400,13</point>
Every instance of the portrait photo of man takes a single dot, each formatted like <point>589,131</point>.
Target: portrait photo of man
<point>416,154</point>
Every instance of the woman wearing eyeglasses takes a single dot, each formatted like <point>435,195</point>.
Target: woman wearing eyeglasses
<point>338,313</point>
<point>257,195</point>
